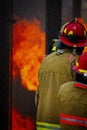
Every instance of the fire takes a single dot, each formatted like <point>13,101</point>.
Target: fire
<point>21,123</point>
<point>85,25</point>
<point>85,49</point>
<point>83,22</point>
<point>28,51</point>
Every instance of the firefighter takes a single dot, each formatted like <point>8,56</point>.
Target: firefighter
<point>55,70</point>
<point>54,45</point>
<point>72,98</point>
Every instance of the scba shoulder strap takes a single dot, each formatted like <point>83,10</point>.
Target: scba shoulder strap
<point>60,51</point>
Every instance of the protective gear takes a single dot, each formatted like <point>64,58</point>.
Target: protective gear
<point>73,34</point>
<point>54,71</point>
<point>74,95</point>
<point>54,45</point>
<point>72,102</point>
<point>47,126</point>
<point>81,64</point>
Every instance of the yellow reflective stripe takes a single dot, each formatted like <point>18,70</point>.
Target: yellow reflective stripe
<point>70,33</point>
<point>42,128</point>
<point>47,126</point>
<point>54,48</point>
<point>65,30</point>
<point>77,64</point>
<point>83,71</point>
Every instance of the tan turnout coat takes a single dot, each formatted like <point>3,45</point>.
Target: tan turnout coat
<point>54,71</point>
<point>72,109</point>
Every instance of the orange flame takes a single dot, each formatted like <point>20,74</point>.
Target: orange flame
<point>85,49</point>
<point>22,123</point>
<point>85,25</point>
<point>83,22</point>
<point>28,51</point>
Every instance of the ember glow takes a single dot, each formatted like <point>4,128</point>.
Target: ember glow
<point>28,52</point>
<point>83,22</point>
<point>85,49</point>
<point>85,25</point>
<point>20,122</point>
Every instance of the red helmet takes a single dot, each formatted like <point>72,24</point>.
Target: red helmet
<point>73,34</point>
<point>81,64</point>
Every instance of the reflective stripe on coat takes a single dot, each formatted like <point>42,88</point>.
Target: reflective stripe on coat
<point>47,126</point>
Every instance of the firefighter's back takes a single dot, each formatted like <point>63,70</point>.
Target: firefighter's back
<point>54,71</point>
<point>72,107</point>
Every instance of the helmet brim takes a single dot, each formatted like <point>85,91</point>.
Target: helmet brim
<point>71,44</point>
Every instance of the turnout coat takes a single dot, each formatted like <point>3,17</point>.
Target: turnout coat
<point>54,71</point>
<point>72,102</point>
